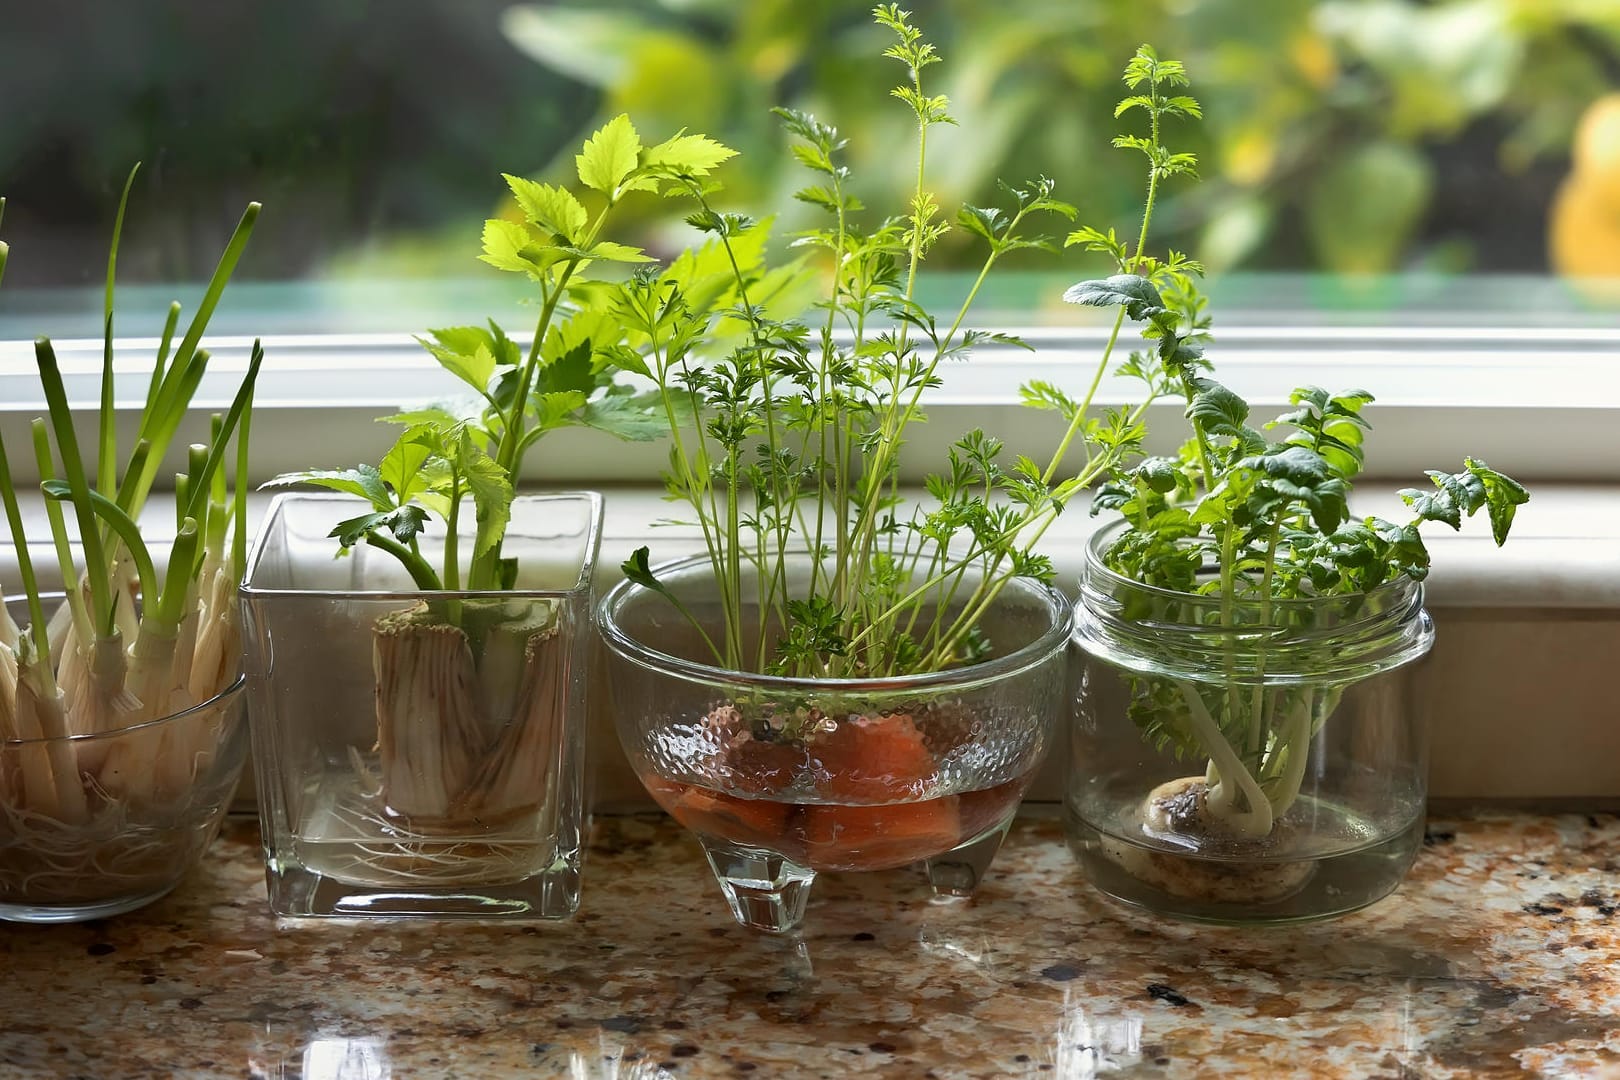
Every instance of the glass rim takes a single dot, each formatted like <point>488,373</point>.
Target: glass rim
<point>582,583</point>
<point>1400,585</point>
<point>1054,639</point>
<point>218,699</point>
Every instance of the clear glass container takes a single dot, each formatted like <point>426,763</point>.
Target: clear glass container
<point>1257,763</point>
<point>420,753</point>
<point>79,841</point>
<point>782,778</point>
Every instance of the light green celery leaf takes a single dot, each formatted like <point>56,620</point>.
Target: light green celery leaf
<point>364,481</point>
<point>509,245</point>
<point>437,502</point>
<point>402,466</point>
<point>609,155</point>
<point>443,414</point>
<point>637,418</point>
<point>550,208</point>
<point>473,366</point>
<point>690,155</point>
<point>554,409</point>
<point>704,274</point>
<point>598,328</point>
<point>491,491</point>
<point>607,249</point>
<point>574,370</point>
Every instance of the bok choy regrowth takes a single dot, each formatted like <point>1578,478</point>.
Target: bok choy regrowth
<point>1261,525</point>
<point>136,639</point>
<point>470,681</point>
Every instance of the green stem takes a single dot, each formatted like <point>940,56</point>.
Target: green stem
<point>239,537</point>
<point>107,459</point>
<point>37,626</point>
<point>158,365</point>
<point>177,582</point>
<point>200,484</point>
<point>414,564</point>
<point>167,405</point>
<point>452,550</point>
<point>1257,734</point>
<point>82,626</point>
<point>1257,820</point>
<point>120,525</point>
<point>67,443</point>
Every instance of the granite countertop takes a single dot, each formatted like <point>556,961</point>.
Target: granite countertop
<point>1499,957</point>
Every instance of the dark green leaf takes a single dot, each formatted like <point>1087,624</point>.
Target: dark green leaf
<point>1217,409</point>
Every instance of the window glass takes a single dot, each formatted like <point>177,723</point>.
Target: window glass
<point>1356,136</point>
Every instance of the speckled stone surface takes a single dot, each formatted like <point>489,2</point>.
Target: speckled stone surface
<point>1499,957</point>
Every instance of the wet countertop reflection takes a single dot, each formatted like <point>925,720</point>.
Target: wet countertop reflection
<point>1499,957</point>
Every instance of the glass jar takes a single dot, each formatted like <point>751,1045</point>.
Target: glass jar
<point>1246,762</point>
<point>419,753</point>
<point>80,838</point>
<point>781,778</point>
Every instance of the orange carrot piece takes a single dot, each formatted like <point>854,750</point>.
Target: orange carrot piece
<point>763,768</point>
<point>758,822</point>
<point>878,759</point>
<point>879,837</point>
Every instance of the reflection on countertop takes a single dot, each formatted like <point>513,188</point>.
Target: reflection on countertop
<point>1499,957</point>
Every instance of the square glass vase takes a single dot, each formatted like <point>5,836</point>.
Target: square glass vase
<point>419,753</point>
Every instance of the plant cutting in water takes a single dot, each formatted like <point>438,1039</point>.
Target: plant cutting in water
<point>1258,526</point>
<point>131,643</point>
<point>788,436</point>
<point>470,681</point>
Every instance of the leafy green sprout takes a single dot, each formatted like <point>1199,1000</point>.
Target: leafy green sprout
<point>792,439</point>
<point>120,668</point>
<point>1251,521</point>
<point>473,449</point>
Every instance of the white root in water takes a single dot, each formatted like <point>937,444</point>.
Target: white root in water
<point>428,728</point>
<point>518,773</point>
<point>50,769</point>
<point>468,748</point>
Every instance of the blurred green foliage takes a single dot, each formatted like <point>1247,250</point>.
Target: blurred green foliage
<point>1341,135</point>
<point>1344,135</point>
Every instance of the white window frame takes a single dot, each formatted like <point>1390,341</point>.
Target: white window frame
<point>1540,403</point>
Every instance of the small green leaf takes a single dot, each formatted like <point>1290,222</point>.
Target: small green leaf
<point>636,570</point>
<point>1503,496</point>
<point>634,419</point>
<point>405,522</point>
<point>446,414</point>
<point>1217,409</point>
<point>509,246</point>
<point>1135,293</point>
<point>688,155</point>
<point>607,249</point>
<point>364,481</point>
<point>985,221</point>
<point>401,467</point>
<point>491,491</point>
<point>572,371</point>
<point>464,352</point>
<point>1158,473</point>
<point>550,208</point>
<point>609,155</point>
